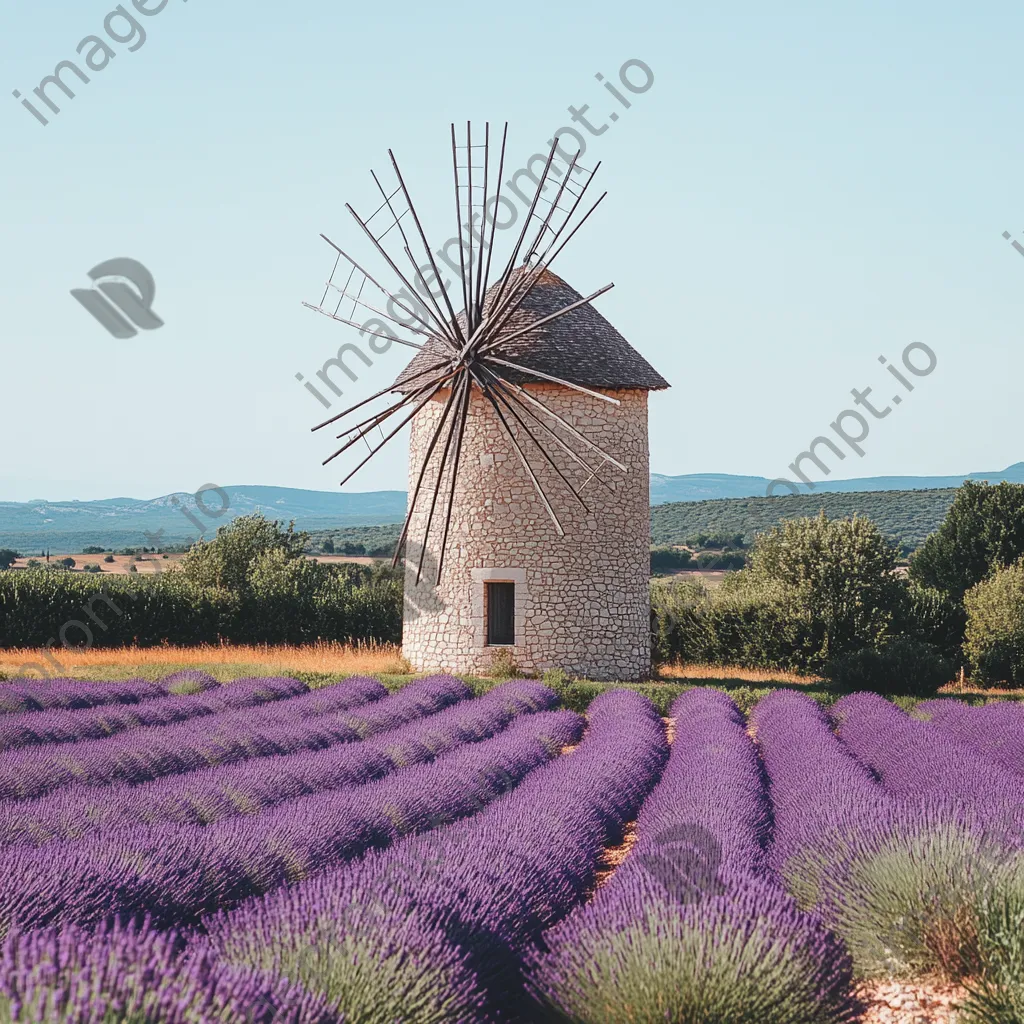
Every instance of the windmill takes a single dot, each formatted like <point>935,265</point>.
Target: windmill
<point>472,352</point>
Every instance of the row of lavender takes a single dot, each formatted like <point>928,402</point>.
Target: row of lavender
<point>265,716</point>
<point>35,728</point>
<point>21,695</point>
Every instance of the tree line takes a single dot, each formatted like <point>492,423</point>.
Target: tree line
<point>824,595</point>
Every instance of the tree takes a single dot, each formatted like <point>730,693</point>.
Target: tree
<point>68,563</point>
<point>7,558</point>
<point>328,546</point>
<point>995,626</point>
<point>227,561</point>
<point>983,530</point>
<point>838,574</point>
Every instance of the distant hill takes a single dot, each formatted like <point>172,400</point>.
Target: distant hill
<point>121,522</point>
<point>908,516</point>
<point>907,507</point>
<point>707,486</point>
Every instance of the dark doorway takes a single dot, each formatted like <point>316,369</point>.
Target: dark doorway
<point>501,613</point>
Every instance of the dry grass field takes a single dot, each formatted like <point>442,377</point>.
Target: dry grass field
<point>225,661</point>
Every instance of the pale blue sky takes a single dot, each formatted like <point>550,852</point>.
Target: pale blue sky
<point>804,188</point>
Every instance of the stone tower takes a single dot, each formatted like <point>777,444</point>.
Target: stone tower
<point>511,583</point>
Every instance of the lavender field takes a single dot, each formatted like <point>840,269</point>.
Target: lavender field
<point>196,853</point>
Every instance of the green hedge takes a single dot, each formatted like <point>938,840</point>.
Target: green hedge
<point>690,625</point>
<point>44,607</point>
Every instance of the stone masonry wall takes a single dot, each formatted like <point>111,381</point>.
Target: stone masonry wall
<point>582,600</point>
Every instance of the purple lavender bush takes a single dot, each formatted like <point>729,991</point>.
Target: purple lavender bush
<point>994,730</point>
<point>20,694</point>
<point>132,974</point>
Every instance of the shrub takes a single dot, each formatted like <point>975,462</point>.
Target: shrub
<point>668,559</point>
<point>91,567</point>
<point>92,550</point>
<point>935,618</point>
<point>109,558</point>
<point>984,529</point>
<point>813,590</point>
<point>902,666</point>
<point>229,559</point>
<point>189,680</point>
<point>68,563</point>
<point>33,563</point>
<point>909,905</point>
<point>724,561</point>
<point>839,573</point>
<point>557,679</point>
<point>504,664</point>
<point>997,996</point>
<point>994,642</point>
<point>692,624</point>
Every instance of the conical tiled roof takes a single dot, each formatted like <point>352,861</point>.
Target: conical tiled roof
<point>581,346</point>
